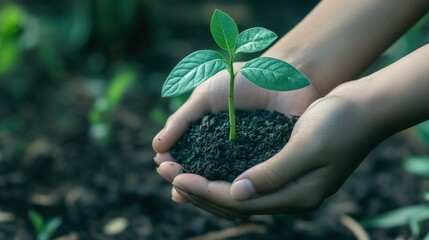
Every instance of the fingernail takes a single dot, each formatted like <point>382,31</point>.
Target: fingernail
<point>243,189</point>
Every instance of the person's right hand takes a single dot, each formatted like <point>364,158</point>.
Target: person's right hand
<point>212,97</point>
<point>328,142</point>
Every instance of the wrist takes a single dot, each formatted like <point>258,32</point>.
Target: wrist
<point>394,98</point>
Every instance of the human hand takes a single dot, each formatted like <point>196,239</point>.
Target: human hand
<point>328,142</point>
<point>211,97</point>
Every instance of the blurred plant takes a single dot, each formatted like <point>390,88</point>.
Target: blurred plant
<point>101,114</point>
<point>44,230</point>
<point>412,216</point>
<point>11,20</point>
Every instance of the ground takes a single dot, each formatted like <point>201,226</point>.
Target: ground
<point>53,166</point>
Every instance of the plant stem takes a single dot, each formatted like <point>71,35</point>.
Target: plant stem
<point>231,109</point>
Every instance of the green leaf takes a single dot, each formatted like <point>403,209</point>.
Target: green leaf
<point>51,227</point>
<point>10,54</point>
<point>224,30</point>
<point>418,165</point>
<point>274,74</point>
<point>254,40</point>
<point>122,81</point>
<point>394,218</point>
<point>37,220</point>
<point>11,18</point>
<point>192,71</point>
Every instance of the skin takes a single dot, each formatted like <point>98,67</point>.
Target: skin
<point>338,127</point>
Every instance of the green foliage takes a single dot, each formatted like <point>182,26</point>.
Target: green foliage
<point>192,71</point>
<point>273,74</point>
<point>11,18</point>
<point>44,231</point>
<point>254,40</point>
<point>412,216</point>
<point>264,72</point>
<point>100,116</point>
<point>224,30</point>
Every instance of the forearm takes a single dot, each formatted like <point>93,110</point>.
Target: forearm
<point>396,97</point>
<point>340,38</point>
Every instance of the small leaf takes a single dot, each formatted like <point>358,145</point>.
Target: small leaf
<point>274,74</point>
<point>192,71</point>
<point>50,228</point>
<point>11,18</point>
<point>224,30</point>
<point>37,220</point>
<point>254,40</point>
<point>394,218</point>
<point>122,82</point>
<point>418,165</point>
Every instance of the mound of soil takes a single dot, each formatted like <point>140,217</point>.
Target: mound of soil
<point>206,150</point>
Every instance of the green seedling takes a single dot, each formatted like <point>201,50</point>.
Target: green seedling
<point>265,72</point>
<point>44,230</point>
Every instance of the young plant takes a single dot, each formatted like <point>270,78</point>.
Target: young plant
<point>44,230</point>
<point>265,72</point>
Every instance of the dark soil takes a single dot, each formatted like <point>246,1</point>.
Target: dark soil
<point>206,150</point>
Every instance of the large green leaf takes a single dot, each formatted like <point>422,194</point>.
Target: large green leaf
<point>192,71</point>
<point>254,40</point>
<point>224,30</point>
<point>274,74</point>
<point>394,218</point>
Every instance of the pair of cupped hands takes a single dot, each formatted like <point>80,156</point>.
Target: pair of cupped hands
<point>327,143</point>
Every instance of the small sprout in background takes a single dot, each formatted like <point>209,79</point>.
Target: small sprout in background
<point>265,72</point>
<point>44,230</point>
<point>412,216</point>
<point>100,116</point>
<point>11,21</point>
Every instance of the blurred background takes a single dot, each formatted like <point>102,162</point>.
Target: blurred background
<point>80,102</point>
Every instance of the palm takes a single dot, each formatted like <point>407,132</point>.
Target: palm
<point>212,97</point>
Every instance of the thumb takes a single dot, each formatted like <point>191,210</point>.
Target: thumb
<point>289,164</point>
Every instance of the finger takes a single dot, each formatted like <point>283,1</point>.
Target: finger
<point>300,196</point>
<point>176,197</point>
<point>176,125</point>
<point>212,208</point>
<point>292,162</point>
<point>169,170</point>
<point>196,189</point>
<point>163,157</point>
